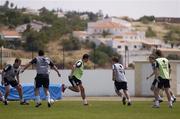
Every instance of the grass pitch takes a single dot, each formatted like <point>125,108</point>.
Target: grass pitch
<point>96,110</point>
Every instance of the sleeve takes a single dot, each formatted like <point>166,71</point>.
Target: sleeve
<point>156,65</point>
<point>7,68</point>
<point>51,64</point>
<point>34,61</point>
<point>113,67</point>
<point>78,64</point>
<point>169,66</point>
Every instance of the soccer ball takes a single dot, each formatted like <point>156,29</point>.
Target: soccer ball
<point>52,101</point>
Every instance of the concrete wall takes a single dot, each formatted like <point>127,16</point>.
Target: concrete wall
<point>96,82</point>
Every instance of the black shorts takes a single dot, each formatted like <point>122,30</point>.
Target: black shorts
<point>74,81</point>
<point>155,82</point>
<point>163,83</point>
<point>13,83</point>
<point>120,85</point>
<point>42,80</point>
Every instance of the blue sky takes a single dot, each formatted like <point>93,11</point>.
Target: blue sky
<point>131,8</point>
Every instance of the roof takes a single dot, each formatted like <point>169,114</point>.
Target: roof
<point>104,25</point>
<point>80,32</point>
<point>169,49</point>
<point>10,33</point>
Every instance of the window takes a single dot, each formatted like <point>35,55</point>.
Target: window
<point>119,46</point>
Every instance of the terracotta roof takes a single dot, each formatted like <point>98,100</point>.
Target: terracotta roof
<point>80,32</point>
<point>10,33</point>
<point>108,25</point>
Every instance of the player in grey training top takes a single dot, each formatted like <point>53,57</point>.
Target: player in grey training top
<point>10,76</point>
<point>120,81</point>
<point>42,64</point>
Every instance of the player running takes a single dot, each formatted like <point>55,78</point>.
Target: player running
<point>162,73</point>
<point>120,81</point>
<point>75,78</point>
<point>42,64</point>
<point>154,87</point>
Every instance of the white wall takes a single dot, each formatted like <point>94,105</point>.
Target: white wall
<point>178,79</point>
<point>96,82</point>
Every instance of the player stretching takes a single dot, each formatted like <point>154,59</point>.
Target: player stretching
<point>10,76</point>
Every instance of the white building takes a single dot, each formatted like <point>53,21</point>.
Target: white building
<point>59,14</point>
<point>81,35</point>
<point>35,25</point>
<point>133,36</point>
<point>114,26</point>
<point>120,45</point>
<point>31,11</point>
<point>84,17</point>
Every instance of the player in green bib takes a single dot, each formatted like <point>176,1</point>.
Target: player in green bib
<point>75,78</point>
<point>162,73</point>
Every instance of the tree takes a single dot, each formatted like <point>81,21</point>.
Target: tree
<point>12,5</point>
<point>150,32</point>
<point>173,36</point>
<point>33,41</point>
<point>99,57</point>
<point>146,19</point>
<point>6,4</point>
<point>71,44</point>
<point>102,55</point>
<point>105,33</point>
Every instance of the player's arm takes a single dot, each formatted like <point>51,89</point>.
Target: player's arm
<point>2,77</point>
<point>72,70</point>
<point>113,73</point>
<point>5,69</point>
<point>54,68</point>
<point>17,77</point>
<point>152,74</point>
<point>170,70</point>
<point>156,70</point>
<point>29,64</point>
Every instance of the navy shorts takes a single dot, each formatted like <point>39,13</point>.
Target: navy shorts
<point>42,80</point>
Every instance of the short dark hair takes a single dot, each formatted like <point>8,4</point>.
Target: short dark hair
<point>85,56</point>
<point>41,53</point>
<point>158,53</point>
<point>115,59</point>
<point>17,60</point>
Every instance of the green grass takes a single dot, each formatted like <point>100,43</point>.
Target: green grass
<point>96,110</point>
